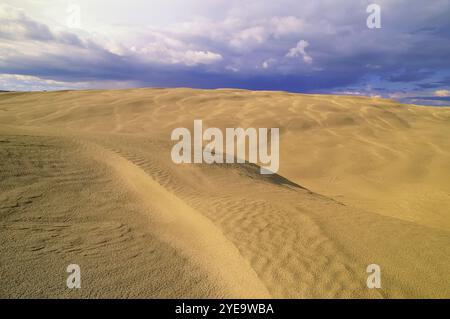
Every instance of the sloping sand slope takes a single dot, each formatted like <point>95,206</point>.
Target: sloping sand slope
<point>86,177</point>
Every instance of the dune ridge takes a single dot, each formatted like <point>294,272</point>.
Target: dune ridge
<point>86,176</point>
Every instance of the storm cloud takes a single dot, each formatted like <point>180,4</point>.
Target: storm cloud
<point>300,46</point>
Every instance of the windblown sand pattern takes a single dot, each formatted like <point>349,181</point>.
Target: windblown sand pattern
<point>86,177</point>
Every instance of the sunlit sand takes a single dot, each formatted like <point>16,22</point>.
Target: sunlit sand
<point>86,177</point>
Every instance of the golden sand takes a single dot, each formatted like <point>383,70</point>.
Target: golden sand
<point>86,177</point>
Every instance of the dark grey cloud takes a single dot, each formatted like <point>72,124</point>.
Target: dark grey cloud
<point>247,46</point>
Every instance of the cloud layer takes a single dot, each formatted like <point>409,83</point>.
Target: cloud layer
<point>301,46</point>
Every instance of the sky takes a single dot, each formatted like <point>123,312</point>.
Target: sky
<point>308,46</point>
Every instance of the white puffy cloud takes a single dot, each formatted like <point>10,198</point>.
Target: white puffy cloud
<point>249,36</point>
<point>167,51</point>
<point>268,63</point>
<point>299,51</point>
<point>442,93</point>
<point>197,57</point>
<point>18,82</point>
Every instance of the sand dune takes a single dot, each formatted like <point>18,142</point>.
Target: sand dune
<point>86,177</point>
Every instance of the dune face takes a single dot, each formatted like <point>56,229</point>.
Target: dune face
<point>86,177</point>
